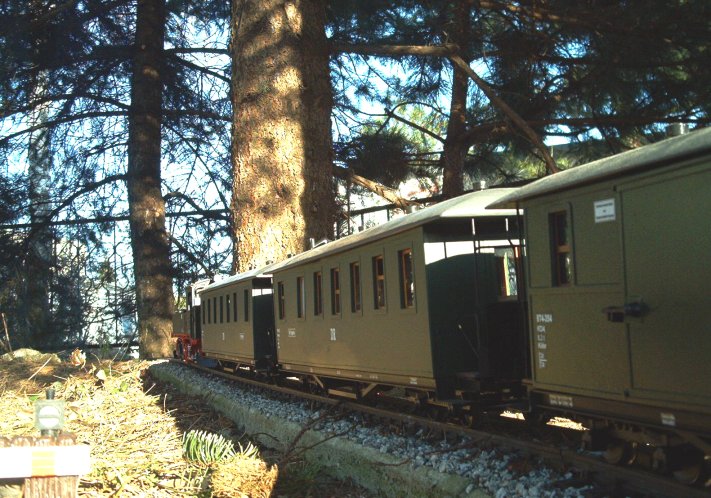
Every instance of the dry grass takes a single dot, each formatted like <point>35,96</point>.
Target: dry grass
<point>251,476</point>
<point>134,429</point>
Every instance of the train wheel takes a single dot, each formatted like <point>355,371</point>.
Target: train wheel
<point>689,466</point>
<point>619,453</point>
<point>690,474</point>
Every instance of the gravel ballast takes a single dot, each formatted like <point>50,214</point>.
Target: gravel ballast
<point>381,461</point>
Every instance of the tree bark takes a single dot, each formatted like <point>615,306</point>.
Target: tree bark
<point>455,150</point>
<point>149,241</point>
<point>36,320</point>
<point>281,138</point>
<point>35,317</point>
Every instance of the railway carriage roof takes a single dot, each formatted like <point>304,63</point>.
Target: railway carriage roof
<point>688,146</point>
<point>264,272</point>
<point>471,205</point>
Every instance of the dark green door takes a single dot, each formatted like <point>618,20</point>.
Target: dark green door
<point>667,249</point>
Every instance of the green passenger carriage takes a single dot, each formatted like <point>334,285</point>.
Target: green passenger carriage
<point>237,321</point>
<point>426,303</point>
<point>619,295</point>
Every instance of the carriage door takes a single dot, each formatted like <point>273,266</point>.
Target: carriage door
<point>667,261</point>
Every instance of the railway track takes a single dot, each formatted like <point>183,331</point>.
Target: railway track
<point>612,480</point>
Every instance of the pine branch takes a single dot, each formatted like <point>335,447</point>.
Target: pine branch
<point>386,193</point>
<point>197,50</point>
<point>395,50</point>
<point>201,69</point>
<point>188,254</point>
<point>508,111</point>
<point>62,120</point>
<point>391,114</point>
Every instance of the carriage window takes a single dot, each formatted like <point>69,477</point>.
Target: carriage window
<point>318,296</point>
<point>407,279</point>
<point>245,311</point>
<point>222,309</point>
<point>508,260</point>
<point>378,283</point>
<point>281,300</point>
<point>206,315</point>
<point>214,310</point>
<point>300,297</point>
<point>355,287</point>
<point>561,249</point>
<point>227,307</point>
<point>234,306</point>
<point>335,291</point>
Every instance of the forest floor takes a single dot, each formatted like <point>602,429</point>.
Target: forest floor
<point>134,427</point>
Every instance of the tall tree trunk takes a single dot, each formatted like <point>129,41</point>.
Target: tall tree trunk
<point>455,150</point>
<point>281,138</point>
<point>149,240</point>
<point>35,316</point>
<point>38,262</point>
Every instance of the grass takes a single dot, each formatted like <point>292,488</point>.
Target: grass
<point>136,428</point>
<point>133,426</point>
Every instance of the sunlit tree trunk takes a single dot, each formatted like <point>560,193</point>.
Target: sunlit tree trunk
<point>149,240</point>
<point>281,140</point>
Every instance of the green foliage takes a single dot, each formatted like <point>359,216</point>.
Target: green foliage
<point>379,156</point>
<point>577,71</point>
<point>249,451</point>
<point>207,448</point>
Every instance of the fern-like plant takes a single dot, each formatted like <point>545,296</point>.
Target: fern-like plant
<point>206,447</point>
<point>249,451</point>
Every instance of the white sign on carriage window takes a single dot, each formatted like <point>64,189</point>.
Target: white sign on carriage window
<point>605,210</point>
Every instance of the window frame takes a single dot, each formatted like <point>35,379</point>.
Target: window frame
<point>380,301</point>
<point>281,301</point>
<point>318,293</point>
<point>406,279</point>
<point>356,286</point>
<point>335,278</point>
<point>300,298</point>
<point>562,262</point>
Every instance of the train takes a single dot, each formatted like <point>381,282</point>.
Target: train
<point>583,294</point>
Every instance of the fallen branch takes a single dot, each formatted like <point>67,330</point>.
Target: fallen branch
<point>291,450</point>
<point>8,346</point>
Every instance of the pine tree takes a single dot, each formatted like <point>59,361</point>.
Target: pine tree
<point>281,143</point>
